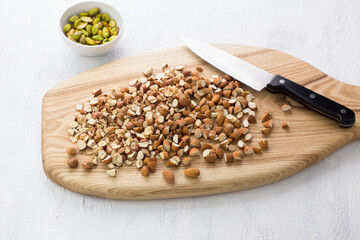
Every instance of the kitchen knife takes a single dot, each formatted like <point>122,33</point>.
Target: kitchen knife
<point>258,79</point>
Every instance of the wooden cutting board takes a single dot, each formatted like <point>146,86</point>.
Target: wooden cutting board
<point>310,138</point>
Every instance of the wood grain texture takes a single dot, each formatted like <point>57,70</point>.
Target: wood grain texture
<point>289,150</point>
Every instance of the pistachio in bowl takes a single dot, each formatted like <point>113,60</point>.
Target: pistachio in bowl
<point>91,28</point>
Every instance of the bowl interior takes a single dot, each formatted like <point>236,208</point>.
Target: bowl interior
<point>86,6</point>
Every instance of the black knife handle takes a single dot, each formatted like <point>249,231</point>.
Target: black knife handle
<point>343,115</point>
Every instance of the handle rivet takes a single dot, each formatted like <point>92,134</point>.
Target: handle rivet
<point>342,111</point>
<point>282,81</point>
<point>312,96</point>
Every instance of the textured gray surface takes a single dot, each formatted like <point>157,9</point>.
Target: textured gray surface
<point>321,202</point>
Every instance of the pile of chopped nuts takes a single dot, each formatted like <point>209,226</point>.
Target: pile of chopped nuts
<point>168,116</point>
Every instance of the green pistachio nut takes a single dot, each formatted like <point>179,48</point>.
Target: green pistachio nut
<point>99,32</point>
<point>96,20</point>
<point>112,37</point>
<point>82,25</point>
<point>105,17</point>
<point>85,32</point>
<point>84,14</point>
<point>97,42</point>
<point>71,32</point>
<point>67,27</point>
<point>112,23</point>
<point>93,11</point>
<point>89,41</point>
<point>76,35</point>
<point>95,29</point>
<point>73,18</point>
<point>98,38</point>
<point>99,15</point>
<point>106,40</point>
<point>69,37</point>
<point>105,32</point>
<point>105,24</point>
<point>114,31</point>
<point>86,19</point>
<point>82,39</point>
<point>88,28</point>
<point>76,23</point>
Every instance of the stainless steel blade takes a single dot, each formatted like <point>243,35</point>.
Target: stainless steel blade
<point>237,68</point>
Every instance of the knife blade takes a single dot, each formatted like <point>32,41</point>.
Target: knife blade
<point>258,79</point>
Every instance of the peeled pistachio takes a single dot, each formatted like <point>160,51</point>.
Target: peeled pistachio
<point>98,37</point>
<point>95,29</point>
<point>112,23</point>
<point>106,40</point>
<point>100,25</point>
<point>71,32</point>
<point>82,39</point>
<point>99,15</point>
<point>105,32</point>
<point>85,32</point>
<point>105,24</point>
<point>77,21</point>
<point>73,18</point>
<point>84,14</point>
<point>114,31</point>
<point>100,32</point>
<point>96,20</point>
<point>105,17</point>
<point>93,11</point>
<point>88,28</point>
<point>86,19</point>
<point>69,37</point>
<point>89,41</point>
<point>81,25</point>
<point>76,35</point>
<point>112,37</point>
<point>97,42</point>
<point>67,27</point>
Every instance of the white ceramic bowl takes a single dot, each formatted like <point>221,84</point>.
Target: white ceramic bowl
<point>88,50</point>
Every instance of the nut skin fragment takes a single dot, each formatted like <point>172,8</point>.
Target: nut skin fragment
<point>145,171</point>
<point>72,162</point>
<point>284,124</point>
<point>87,164</point>
<point>168,175</point>
<point>71,150</point>
<point>192,172</point>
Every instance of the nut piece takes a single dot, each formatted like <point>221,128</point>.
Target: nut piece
<point>268,123</point>
<point>284,124</point>
<point>265,131</point>
<point>71,150</point>
<point>145,171</point>
<point>186,161</point>
<point>192,172</point>
<point>285,107</point>
<point>72,162</point>
<point>237,155</point>
<point>263,144</point>
<point>194,152</point>
<point>248,150</point>
<point>81,144</point>
<point>87,164</point>
<point>211,157</point>
<point>111,172</point>
<point>168,175</point>
<point>266,117</point>
<point>228,157</point>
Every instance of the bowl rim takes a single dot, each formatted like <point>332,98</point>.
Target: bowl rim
<point>91,46</point>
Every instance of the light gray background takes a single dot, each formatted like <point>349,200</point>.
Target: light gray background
<point>321,202</point>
